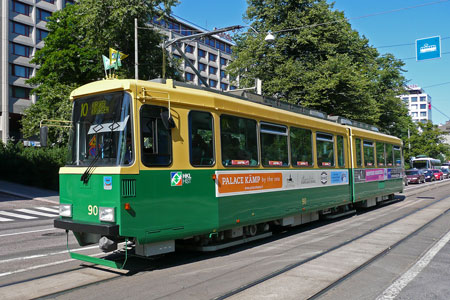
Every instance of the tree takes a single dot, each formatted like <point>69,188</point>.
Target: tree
<point>323,63</point>
<point>72,55</point>
<point>428,140</point>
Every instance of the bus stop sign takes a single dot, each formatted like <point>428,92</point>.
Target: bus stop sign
<point>428,48</point>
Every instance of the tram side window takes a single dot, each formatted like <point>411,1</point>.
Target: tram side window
<point>380,154</point>
<point>201,138</point>
<point>397,156</point>
<point>274,146</point>
<point>369,153</point>
<point>389,155</point>
<point>156,140</point>
<point>325,149</point>
<point>340,151</point>
<point>358,152</point>
<point>301,147</point>
<point>239,141</point>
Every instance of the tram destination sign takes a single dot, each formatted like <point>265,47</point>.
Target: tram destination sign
<point>428,48</point>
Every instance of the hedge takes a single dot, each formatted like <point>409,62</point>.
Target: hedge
<point>31,165</point>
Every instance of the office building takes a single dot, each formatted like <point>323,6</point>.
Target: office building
<point>210,55</point>
<point>23,28</point>
<point>418,103</point>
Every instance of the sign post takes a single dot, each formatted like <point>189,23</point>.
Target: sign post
<point>428,48</point>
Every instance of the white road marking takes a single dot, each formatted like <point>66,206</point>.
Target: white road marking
<point>43,266</point>
<point>394,289</point>
<point>10,214</point>
<point>25,232</point>
<point>33,212</point>
<point>5,219</point>
<point>44,208</point>
<point>45,255</point>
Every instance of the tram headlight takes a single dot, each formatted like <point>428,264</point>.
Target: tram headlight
<point>106,214</point>
<point>65,210</point>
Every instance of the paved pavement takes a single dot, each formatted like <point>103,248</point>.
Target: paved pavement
<point>29,192</point>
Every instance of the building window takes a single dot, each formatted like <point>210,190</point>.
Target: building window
<point>423,98</point>
<point>21,8</point>
<point>50,1</point>
<point>223,74</point>
<point>423,113</point>
<point>201,53</point>
<point>43,15</point>
<point>201,67</point>
<point>413,106</point>
<point>223,61</point>
<point>233,87</point>
<point>21,29</point>
<point>423,106</point>
<point>212,83</point>
<point>21,71</point>
<point>41,34</point>
<point>212,70</point>
<point>228,49</point>
<point>21,50</point>
<point>185,31</point>
<point>189,49</point>
<point>189,76</point>
<point>414,114</point>
<point>174,27</point>
<point>212,57</point>
<point>223,86</point>
<point>20,92</point>
<point>176,56</point>
<point>413,99</point>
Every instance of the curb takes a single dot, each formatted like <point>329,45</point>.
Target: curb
<point>29,197</point>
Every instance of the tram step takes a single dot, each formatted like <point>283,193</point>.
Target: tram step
<point>331,217</point>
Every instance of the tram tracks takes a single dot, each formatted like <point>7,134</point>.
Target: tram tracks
<point>236,292</point>
<point>319,233</point>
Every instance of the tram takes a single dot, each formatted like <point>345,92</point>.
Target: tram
<point>161,164</point>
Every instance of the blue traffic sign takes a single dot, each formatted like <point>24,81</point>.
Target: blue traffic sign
<point>428,48</point>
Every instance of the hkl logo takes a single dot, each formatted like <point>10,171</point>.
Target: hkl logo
<point>176,178</point>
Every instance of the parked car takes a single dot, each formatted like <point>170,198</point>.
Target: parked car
<point>446,173</point>
<point>429,176</point>
<point>438,174</point>
<point>415,176</point>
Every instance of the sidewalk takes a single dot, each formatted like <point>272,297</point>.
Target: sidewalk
<point>29,192</point>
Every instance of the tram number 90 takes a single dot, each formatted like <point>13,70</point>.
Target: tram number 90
<point>93,210</point>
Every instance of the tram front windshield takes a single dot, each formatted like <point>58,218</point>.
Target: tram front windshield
<point>101,132</point>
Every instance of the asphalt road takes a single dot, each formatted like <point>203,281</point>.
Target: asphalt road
<point>34,261</point>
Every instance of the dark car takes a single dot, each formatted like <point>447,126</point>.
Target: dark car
<point>446,173</point>
<point>429,176</point>
<point>438,174</point>
<point>415,176</point>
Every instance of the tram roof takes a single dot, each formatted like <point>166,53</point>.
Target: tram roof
<point>127,84</point>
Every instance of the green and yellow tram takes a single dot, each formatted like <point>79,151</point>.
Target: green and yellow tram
<point>161,163</point>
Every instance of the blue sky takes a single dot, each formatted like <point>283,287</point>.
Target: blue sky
<point>400,27</point>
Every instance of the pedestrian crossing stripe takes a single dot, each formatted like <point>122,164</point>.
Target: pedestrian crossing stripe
<point>14,215</point>
<point>29,214</point>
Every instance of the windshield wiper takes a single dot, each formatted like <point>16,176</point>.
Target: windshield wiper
<point>87,174</point>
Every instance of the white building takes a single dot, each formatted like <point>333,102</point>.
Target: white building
<point>418,103</point>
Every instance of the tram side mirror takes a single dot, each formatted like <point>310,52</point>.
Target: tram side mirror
<point>167,120</point>
<point>43,135</point>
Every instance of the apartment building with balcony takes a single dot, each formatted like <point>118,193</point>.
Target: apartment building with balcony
<point>418,103</point>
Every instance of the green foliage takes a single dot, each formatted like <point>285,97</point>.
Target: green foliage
<point>329,66</point>
<point>427,141</point>
<point>72,56</point>
<point>31,166</point>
